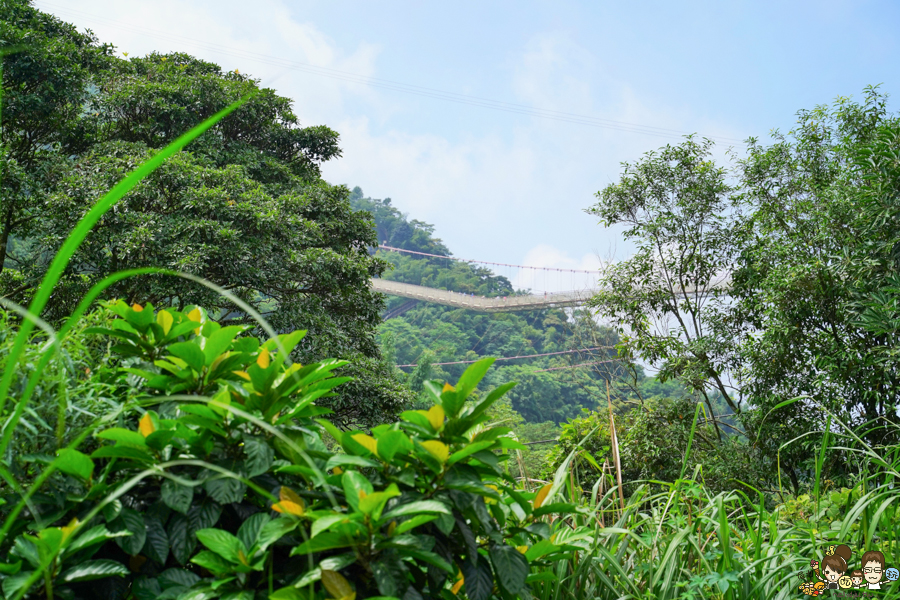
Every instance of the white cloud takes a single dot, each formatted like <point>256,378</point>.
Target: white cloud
<point>260,38</point>
<point>502,188</point>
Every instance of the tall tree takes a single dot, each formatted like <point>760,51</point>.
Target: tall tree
<point>46,81</point>
<point>244,207</point>
<point>669,299</point>
<point>820,268</point>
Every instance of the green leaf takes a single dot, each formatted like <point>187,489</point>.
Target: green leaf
<point>181,539</point>
<point>145,588</point>
<point>176,496</point>
<point>328,540</point>
<point>510,566</point>
<point>373,503</point>
<point>94,569</point>
<point>414,416</point>
<point>430,558</point>
<point>472,377</point>
<point>190,353</point>
<point>156,547</point>
<point>217,343</point>
<point>177,577</point>
<point>126,452</point>
<point>213,562</point>
<point>340,460</point>
<point>204,515</point>
<point>73,462</point>
<point>14,584</point>
<point>540,549</point>
<point>413,523</point>
<point>93,537</point>
<point>124,436</point>
<point>259,456</point>
<point>384,578</point>
<point>289,593</point>
<point>130,520</point>
<point>479,581</point>
<point>11,568</point>
<point>354,483</point>
<point>414,508</point>
<point>392,442</point>
<point>468,450</point>
<point>492,397</point>
<point>276,529</point>
<point>225,490</point>
<point>324,523</point>
<point>250,529</point>
<point>556,508</point>
<point>222,543</point>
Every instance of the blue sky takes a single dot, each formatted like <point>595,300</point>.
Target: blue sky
<point>507,187</point>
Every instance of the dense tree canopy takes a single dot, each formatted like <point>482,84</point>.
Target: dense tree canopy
<point>807,230</point>
<point>243,207</point>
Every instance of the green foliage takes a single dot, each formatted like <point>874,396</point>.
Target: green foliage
<point>246,209</point>
<point>226,471</point>
<point>806,234</point>
<point>823,255</point>
<point>673,203</point>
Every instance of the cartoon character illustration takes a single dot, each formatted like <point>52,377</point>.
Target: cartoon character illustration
<point>892,574</point>
<point>873,568</point>
<point>834,565</point>
<point>813,589</point>
<point>857,577</point>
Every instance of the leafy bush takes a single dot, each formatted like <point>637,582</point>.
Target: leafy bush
<point>654,445</point>
<point>223,487</point>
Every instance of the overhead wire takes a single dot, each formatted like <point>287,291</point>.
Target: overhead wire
<point>396,86</point>
<point>469,362</point>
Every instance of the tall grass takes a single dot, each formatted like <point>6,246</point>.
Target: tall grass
<point>685,543</point>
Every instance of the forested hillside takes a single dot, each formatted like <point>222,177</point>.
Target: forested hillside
<point>551,388</point>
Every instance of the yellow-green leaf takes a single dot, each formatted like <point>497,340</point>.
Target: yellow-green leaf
<point>435,416</point>
<point>68,529</point>
<point>437,449</point>
<point>367,442</point>
<point>165,320</point>
<point>337,586</point>
<point>448,388</point>
<point>263,359</point>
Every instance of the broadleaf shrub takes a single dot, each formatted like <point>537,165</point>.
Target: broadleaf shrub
<point>217,482</point>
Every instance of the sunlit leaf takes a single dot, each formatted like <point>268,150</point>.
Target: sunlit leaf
<point>366,441</point>
<point>542,495</point>
<point>146,426</point>
<point>165,320</point>
<point>437,449</point>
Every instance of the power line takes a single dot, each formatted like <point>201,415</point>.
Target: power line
<point>469,362</point>
<point>483,262</point>
<point>587,364</point>
<point>396,86</point>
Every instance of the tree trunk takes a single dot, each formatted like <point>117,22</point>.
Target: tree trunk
<point>4,235</point>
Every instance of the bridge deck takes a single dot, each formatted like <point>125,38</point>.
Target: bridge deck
<point>476,303</point>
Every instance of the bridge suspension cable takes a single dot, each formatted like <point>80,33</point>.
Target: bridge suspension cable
<point>468,362</point>
<point>484,262</point>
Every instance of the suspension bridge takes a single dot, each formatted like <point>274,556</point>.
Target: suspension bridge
<point>526,277</point>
